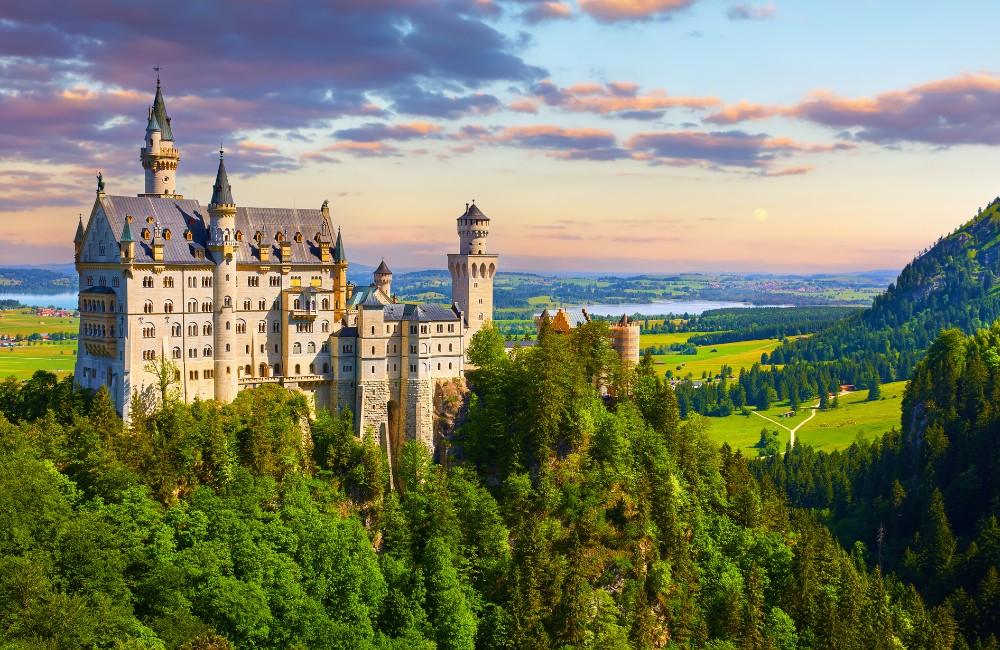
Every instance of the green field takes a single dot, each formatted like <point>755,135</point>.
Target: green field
<point>21,321</point>
<point>741,354</point>
<point>854,419</point>
<point>23,360</point>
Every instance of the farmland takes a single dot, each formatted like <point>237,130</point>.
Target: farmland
<point>22,322</point>
<point>23,360</point>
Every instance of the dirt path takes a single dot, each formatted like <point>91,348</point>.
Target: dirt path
<point>791,432</point>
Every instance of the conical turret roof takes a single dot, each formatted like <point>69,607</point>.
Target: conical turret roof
<point>338,250</point>
<point>153,124</point>
<point>160,113</point>
<point>79,231</point>
<point>126,237</point>
<point>222,191</point>
<point>383,269</point>
<point>471,210</point>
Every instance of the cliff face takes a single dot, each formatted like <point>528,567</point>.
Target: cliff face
<point>451,406</point>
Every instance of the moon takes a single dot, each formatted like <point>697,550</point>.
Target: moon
<point>760,214</point>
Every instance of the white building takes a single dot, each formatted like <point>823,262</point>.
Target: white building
<point>236,297</point>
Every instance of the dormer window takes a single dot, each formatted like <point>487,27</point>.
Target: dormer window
<point>149,219</point>
<point>145,234</point>
<point>188,235</point>
<point>298,238</point>
<point>258,236</point>
<point>279,238</point>
<point>239,235</point>
<point>166,234</point>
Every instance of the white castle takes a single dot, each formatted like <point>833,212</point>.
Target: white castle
<point>236,297</point>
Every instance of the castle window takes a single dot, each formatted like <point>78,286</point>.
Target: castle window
<point>192,305</point>
<point>147,282</point>
<point>413,329</point>
<point>193,329</point>
<point>480,301</point>
<point>413,349</point>
<point>262,327</point>
<point>277,368</point>
<point>239,235</point>
<point>207,352</point>
<point>149,355</point>
<point>480,315</point>
<point>188,235</point>
<point>247,370</point>
<point>261,305</point>
<point>168,282</point>
<point>257,236</point>
<point>208,374</point>
<point>325,304</point>
<point>373,349</point>
<point>297,304</point>
<point>274,281</point>
<point>227,347</point>
<point>312,368</point>
<point>298,238</point>
<point>296,348</point>
<point>168,307</point>
<point>228,325</point>
<point>348,348</point>
<point>449,347</point>
<point>206,281</point>
<point>439,366</point>
<point>227,301</point>
<point>263,369</point>
<point>145,234</point>
<point>310,347</point>
<point>167,235</point>
<point>449,365</point>
<point>148,331</point>
<point>206,329</point>
<point>241,327</point>
<point>423,329</point>
<point>176,353</point>
<point>175,329</point>
<point>325,326</point>
<point>276,326</point>
<point>373,370</point>
<point>115,282</point>
<point>247,305</point>
<point>451,327</point>
<point>192,374</point>
<point>440,328</point>
<point>298,369</point>
<point>325,347</point>
<point>439,347</point>
<point>149,219</point>
<point>192,353</point>
<point>413,367</point>
<point>206,306</point>
<point>102,281</point>
<point>147,307</point>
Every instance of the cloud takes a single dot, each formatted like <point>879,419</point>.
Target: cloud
<point>746,11</point>
<point>946,112</point>
<point>721,149</point>
<point>73,92</point>
<point>538,12</point>
<point>617,98</point>
<point>375,132</point>
<point>615,11</point>
<point>359,149</point>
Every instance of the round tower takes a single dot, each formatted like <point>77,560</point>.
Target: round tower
<point>473,228</point>
<point>222,244</point>
<point>159,157</point>
<point>383,278</point>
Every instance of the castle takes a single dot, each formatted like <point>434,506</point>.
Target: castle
<point>235,297</point>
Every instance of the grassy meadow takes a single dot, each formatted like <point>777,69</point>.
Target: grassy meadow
<point>22,361</point>
<point>23,322</point>
<point>710,358</point>
<point>854,419</point>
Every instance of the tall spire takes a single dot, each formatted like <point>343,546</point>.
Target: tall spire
<point>79,232</point>
<point>222,191</point>
<point>160,113</point>
<point>338,250</point>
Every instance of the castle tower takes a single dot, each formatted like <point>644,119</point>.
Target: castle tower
<point>472,269</point>
<point>383,278</point>
<point>222,244</point>
<point>159,157</point>
<point>339,278</point>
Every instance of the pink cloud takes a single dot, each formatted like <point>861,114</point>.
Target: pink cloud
<point>613,11</point>
<point>617,98</point>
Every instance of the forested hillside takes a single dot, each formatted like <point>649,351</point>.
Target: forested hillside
<point>563,521</point>
<point>932,487</point>
<point>952,284</point>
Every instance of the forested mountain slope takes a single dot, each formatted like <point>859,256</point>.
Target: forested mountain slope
<point>952,284</point>
<point>933,487</point>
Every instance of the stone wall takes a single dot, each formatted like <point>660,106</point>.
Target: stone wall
<point>451,406</point>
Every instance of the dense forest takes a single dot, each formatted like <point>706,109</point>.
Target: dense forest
<point>925,498</point>
<point>562,520</point>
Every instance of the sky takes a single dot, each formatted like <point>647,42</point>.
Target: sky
<point>619,136</point>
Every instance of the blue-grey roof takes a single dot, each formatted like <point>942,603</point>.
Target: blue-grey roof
<point>127,237</point>
<point>153,124</point>
<point>100,290</point>
<point>369,295</point>
<point>472,211</point>
<point>576,316</point>
<point>179,215</point>
<point>347,332</point>
<point>338,250</point>
<point>418,312</point>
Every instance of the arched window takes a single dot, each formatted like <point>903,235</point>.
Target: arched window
<point>145,234</point>
<point>167,235</point>
<point>262,326</point>
<point>325,326</point>
<point>263,369</point>
<point>296,304</point>
<point>176,353</point>
<point>277,368</point>
<point>310,347</point>
<point>227,301</point>
<point>147,307</point>
<point>258,236</point>
<point>261,305</point>
<point>193,329</point>
<point>298,237</point>
<point>239,235</point>
<point>326,368</point>
<point>296,348</point>
<point>188,235</point>
<point>206,329</point>
<point>298,370</point>
<point>247,371</point>
<point>192,305</point>
<point>241,327</point>
<point>168,306</point>
<point>326,303</point>
<point>207,352</point>
<point>247,305</point>
<point>175,329</point>
<point>148,331</point>
<point>312,368</point>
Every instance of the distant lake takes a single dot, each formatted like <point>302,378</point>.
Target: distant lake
<point>58,300</point>
<point>663,307</point>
